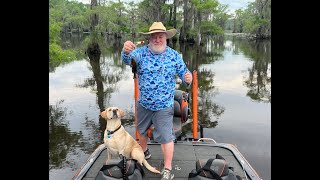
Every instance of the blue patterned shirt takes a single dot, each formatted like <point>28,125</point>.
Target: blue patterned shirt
<point>156,76</point>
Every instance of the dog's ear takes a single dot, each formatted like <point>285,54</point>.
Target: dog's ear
<point>103,114</point>
<point>121,112</point>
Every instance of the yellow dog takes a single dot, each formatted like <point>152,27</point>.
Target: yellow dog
<point>119,141</point>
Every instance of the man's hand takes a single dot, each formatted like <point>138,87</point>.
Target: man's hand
<point>128,46</point>
<point>188,77</point>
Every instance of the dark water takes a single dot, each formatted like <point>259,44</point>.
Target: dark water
<point>234,99</point>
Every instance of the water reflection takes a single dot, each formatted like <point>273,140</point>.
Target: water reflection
<point>195,56</point>
<point>209,111</point>
<point>97,80</point>
<point>258,79</point>
<point>61,140</point>
<point>73,40</point>
<point>107,70</point>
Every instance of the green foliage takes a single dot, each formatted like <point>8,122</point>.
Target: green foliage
<point>192,33</point>
<point>255,19</point>
<point>221,16</point>
<point>125,29</point>
<point>71,14</point>
<point>63,13</point>
<point>144,28</point>
<point>54,30</point>
<point>210,28</point>
<point>168,26</point>
<point>254,23</point>
<point>229,25</point>
<point>144,10</point>
<point>57,55</point>
<point>165,7</point>
<point>206,5</point>
<point>107,19</point>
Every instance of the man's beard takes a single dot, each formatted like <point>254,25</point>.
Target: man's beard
<point>157,49</point>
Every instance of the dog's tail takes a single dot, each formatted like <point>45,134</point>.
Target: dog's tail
<point>149,167</point>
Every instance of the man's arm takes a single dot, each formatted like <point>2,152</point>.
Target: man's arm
<point>128,47</point>
<point>183,72</point>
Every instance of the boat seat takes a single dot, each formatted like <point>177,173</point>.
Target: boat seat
<point>112,170</point>
<point>181,113</point>
<point>213,168</point>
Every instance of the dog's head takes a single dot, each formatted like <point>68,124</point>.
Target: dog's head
<point>112,113</point>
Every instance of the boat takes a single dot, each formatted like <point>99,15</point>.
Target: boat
<point>188,152</point>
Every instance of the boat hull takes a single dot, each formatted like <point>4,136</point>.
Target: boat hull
<point>186,153</point>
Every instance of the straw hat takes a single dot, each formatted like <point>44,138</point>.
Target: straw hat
<point>159,27</point>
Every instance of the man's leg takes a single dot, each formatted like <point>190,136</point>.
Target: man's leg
<point>163,133</point>
<point>162,148</point>
<point>143,142</point>
<point>167,150</point>
<point>144,122</point>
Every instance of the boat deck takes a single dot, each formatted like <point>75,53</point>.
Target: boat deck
<point>184,160</point>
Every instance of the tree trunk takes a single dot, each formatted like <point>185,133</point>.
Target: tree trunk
<point>94,17</point>
<point>175,14</point>
<point>183,35</point>
<point>95,64</point>
<point>133,34</point>
<point>170,14</point>
<point>194,20</point>
<point>199,28</point>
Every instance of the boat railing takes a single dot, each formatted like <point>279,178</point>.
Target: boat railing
<point>206,139</point>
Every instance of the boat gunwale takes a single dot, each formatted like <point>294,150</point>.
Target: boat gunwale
<point>81,172</point>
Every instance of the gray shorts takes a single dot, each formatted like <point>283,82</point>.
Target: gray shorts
<point>162,121</point>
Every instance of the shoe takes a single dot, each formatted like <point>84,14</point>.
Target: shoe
<point>147,154</point>
<point>167,175</point>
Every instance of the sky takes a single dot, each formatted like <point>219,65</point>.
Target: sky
<point>233,4</point>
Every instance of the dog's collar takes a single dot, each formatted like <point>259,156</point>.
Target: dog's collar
<point>111,132</point>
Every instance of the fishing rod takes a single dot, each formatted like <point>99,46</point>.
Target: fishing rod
<point>133,62</point>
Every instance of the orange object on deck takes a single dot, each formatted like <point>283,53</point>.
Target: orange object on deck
<point>194,105</point>
<point>136,94</point>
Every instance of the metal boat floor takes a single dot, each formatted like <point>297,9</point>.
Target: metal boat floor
<point>184,160</point>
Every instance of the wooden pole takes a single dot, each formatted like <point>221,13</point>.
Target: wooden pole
<point>195,105</point>
<point>136,94</point>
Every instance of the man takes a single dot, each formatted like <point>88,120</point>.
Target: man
<point>157,65</point>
